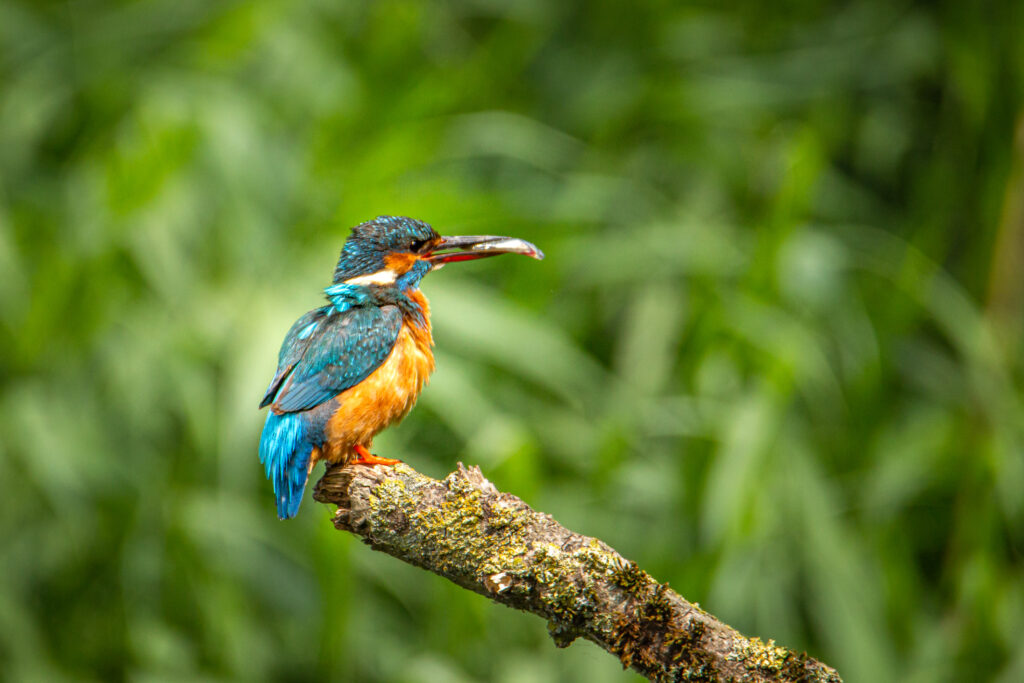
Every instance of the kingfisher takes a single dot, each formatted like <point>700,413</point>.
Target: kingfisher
<point>351,368</point>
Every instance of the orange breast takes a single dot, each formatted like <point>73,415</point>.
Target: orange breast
<point>386,396</point>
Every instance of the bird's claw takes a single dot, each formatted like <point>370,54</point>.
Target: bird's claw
<point>365,457</point>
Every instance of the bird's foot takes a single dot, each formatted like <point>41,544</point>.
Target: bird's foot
<point>365,457</point>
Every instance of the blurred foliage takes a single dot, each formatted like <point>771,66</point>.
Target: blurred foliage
<point>773,355</point>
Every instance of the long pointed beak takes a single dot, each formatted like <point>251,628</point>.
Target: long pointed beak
<point>470,247</point>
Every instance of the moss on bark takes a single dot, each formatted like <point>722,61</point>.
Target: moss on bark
<point>490,542</point>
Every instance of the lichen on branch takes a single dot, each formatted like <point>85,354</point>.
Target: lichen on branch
<point>464,529</point>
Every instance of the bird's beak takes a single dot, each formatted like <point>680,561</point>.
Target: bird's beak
<point>470,247</point>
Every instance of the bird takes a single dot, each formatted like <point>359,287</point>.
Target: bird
<point>353,367</point>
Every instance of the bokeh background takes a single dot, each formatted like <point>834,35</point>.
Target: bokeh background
<point>774,353</point>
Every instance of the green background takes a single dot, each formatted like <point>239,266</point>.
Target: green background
<point>774,354</point>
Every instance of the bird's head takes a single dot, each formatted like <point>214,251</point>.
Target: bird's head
<point>395,251</point>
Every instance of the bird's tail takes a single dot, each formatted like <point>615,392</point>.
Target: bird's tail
<point>285,451</point>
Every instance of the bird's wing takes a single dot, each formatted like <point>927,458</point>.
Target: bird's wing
<point>294,347</point>
<point>327,352</point>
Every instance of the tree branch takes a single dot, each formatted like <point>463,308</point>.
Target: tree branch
<point>493,543</point>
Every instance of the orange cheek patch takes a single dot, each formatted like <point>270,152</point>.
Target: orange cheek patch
<point>400,263</point>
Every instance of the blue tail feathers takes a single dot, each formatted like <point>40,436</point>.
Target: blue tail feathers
<point>285,450</point>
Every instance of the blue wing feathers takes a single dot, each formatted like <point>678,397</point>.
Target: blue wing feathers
<point>340,353</point>
<point>324,353</point>
<point>295,344</point>
<point>275,384</point>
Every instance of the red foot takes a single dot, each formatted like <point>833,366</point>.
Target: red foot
<point>365,457</point>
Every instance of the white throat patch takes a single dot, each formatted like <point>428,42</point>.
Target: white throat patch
<point>381,277</point>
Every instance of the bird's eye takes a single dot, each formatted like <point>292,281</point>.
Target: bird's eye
<point>417,246</point>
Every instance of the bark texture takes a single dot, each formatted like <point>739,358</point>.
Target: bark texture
<point>493,543</point>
